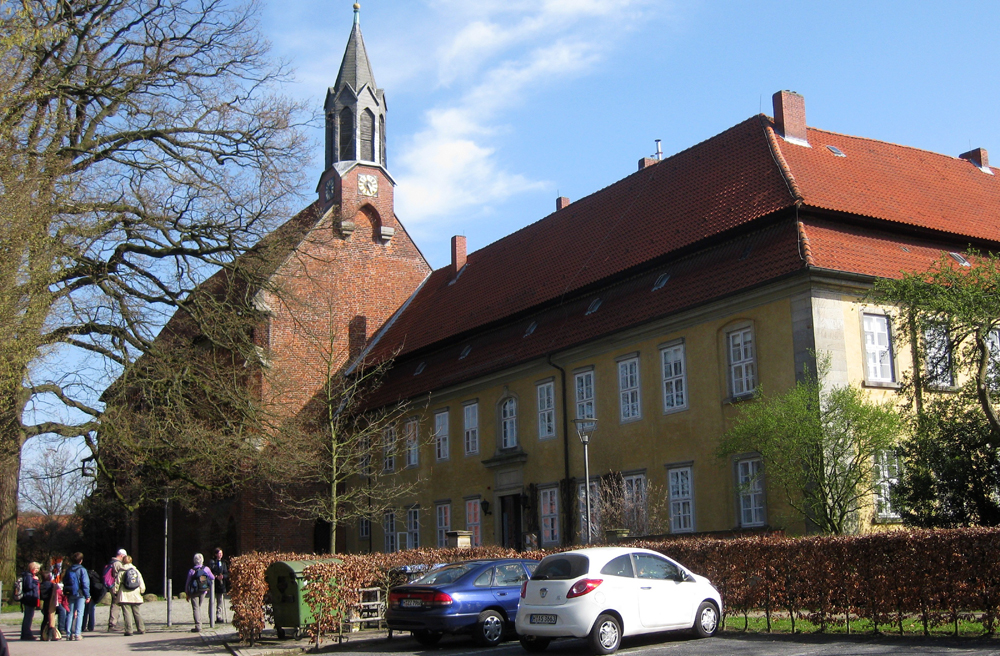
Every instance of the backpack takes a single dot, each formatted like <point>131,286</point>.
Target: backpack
<point>109,576</point>
<point>19,589</point>
<point>199,582</point>
<point>130,579</point>
<point>97,588</point>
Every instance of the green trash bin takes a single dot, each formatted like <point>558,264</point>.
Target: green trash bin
<point>287,587</point>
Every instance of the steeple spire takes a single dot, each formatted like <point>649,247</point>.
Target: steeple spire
<point>355,107</point>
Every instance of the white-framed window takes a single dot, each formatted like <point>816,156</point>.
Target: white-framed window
<point>750,479</point>
<point>364,528</point>
<point>389,449</point>
<point>441,448</point>
<point>473,520</point>
<point>546,410</point>
<point>878,349</point>
<point>471,412</point>
<point>411,430</point>
<point>635,501</point>
<point>937,350</point>
<point>674,378</point>
<point>886,476</point>
<point>584,384</point>
<point>628,389</point>
<point>549,511</point>
<point>413,528</point>
<point>389,530</point>
<point>742,362</point>
<point>365,456</point>
<point>681,506</point>
<point>508,423</point>
<point>595,510</point>
<point>443,513</point>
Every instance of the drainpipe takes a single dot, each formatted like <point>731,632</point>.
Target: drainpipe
<point>568,492</point>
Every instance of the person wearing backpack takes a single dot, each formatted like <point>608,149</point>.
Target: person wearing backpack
<point>127,593</point>
<point>111,571</point>
<point>77,588</point>
<point>198,584</point>
<point>30,595</point>
<point>97,592</point>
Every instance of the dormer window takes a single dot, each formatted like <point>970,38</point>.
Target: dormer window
<point>420,369</point>
<point>465,352</point>
<point>531,328</point>
<point>594,306</point>
<point>960,259</point>
<point>661,281</point>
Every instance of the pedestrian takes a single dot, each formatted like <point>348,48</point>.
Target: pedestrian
<point>30,596</point>
<point>48,592</point>
<point>221,571</point>
<point>77,588</point>
<point>97,592</point>
<point>111,571</point>
<point>127,593</point>
<point>197,585</point>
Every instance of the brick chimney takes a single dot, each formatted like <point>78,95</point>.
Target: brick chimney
<point>790,117</point>
<point>457,253</point>
<point>979,157</point>
<point>562,203</point>
<point>646,161</point>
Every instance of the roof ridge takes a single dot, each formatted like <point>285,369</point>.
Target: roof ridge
<point>805,251</point>
<point>779,158</point>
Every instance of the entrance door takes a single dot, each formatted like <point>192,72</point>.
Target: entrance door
<point>510,521</point>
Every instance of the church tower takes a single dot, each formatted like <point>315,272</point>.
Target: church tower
<point>355,172</point>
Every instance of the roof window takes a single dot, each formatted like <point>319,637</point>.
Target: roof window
<point>836,151</point>
<point>594,305</point>
<point>905,249</point>
<point>465,352</point>
<point>746,252</point>
<point>661,281</point>
<point>420,369</point>
<point>961,260</point>
<point>531,328</point>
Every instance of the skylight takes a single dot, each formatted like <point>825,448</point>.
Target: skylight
<point>531,328</point>
<point>594,305</point>
<point>420,369</point>
<point>961,260</point>
<point>836,151</point>
<point>661,281</point>
<point>466,351</point>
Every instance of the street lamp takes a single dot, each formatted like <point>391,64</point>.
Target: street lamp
<point>585,429</point>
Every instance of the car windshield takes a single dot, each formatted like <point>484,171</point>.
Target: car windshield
<point>448,574</point>
<point>561,567</point>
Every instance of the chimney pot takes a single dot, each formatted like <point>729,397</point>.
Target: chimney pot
<point>979,157</point>
<point>646,161</point>
<point>790,117</point>
<point>457,253</point>
<point>562,203</point>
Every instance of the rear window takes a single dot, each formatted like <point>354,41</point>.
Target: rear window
<point>561,567</point>
<point>448,574</point>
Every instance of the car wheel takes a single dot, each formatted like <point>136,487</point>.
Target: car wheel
<point>706,620</point>
<point>427,638</point>
<point>489,628</point>
<point>534,643</point>
<point>606,635</point>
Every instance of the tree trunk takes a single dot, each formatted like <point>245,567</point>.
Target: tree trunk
<point>10,468</point>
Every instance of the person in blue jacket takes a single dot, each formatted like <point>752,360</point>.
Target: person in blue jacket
<point>77,589</point>
<point>29,599</point>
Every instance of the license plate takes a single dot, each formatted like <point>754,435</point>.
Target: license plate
<point>542,619</point>
<point>411,603</point>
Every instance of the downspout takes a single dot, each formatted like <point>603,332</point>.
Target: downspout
<point>567,492</point>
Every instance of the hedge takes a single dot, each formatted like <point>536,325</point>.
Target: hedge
<point>940,576</point>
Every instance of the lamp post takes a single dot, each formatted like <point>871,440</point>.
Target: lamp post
<point>585,429</point>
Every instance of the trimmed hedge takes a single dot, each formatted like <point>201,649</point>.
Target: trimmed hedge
<point>940,576</point>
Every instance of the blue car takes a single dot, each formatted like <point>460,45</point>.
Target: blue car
<point>477,596</point>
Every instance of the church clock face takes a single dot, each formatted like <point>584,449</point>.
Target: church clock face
<point>329,189</point>
<point>367,185</point>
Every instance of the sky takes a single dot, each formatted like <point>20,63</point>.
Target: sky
<point>496,107</point>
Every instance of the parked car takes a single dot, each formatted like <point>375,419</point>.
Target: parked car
<point>477,596</point>
<point>606,593</point>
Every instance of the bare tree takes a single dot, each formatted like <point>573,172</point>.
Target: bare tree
<point>54,483</point>
<point>143,146</point>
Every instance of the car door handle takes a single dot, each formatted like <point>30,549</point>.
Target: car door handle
<point>501,594</point>
<point>646,587</point>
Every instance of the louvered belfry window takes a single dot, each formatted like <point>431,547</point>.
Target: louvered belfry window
<point>346,135</point>
<point>367,136</point>
<point>381,138</point>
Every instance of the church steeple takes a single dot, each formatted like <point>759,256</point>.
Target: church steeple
<point>355,107</point>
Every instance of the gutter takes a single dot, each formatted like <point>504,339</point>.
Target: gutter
<point>567,494</point>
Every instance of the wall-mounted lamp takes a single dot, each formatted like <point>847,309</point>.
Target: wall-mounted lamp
<point>525,501</point>
<point>485,505</point>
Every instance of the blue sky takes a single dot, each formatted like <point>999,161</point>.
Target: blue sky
<point>498,106</point>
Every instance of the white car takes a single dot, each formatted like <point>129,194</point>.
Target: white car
<point>605,593</point>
